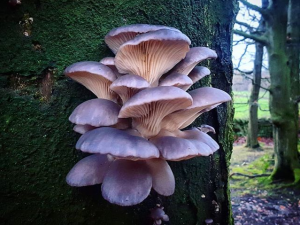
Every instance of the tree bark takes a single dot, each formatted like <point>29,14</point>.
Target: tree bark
<point>252,135</point>
<point>37,141</point>
<point>284,113</point>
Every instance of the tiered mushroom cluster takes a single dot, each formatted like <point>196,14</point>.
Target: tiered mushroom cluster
<point>135,124</point>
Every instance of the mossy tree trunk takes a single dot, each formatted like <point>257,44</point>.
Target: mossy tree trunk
<point>37,141</point>
<point>252,135</point>
<point>283,107</point>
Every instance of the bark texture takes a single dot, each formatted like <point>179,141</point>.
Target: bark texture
<point>283,64</point>
<point>37,141</point>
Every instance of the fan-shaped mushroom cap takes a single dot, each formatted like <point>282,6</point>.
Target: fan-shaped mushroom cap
<point>149,106</point>
<point>128,85</point>
<point>81,129</point>
<point>107,140</point>
<point>118,36</point>
<point>182,145</point>
<point>163,181</point>
<point>198,73</point>
<point>127,183</point>
<point>204,99</point>
<point>177,80</point>
<point>152,54</point>
<point>94,76</point>
<point>193,57</point>
<point>96,112</point>
<point>110,62</point>
<point>89,171</point>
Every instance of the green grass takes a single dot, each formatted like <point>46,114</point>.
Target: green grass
<point>241,105</point>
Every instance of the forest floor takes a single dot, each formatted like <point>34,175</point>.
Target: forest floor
<point>255,200</point>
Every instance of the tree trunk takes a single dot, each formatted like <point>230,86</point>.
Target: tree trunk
<point>284,113</point>
<point>252,135</point>
<point>252,141</point>
<point>37,141</point>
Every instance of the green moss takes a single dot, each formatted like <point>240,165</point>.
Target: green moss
<point>37,141</point>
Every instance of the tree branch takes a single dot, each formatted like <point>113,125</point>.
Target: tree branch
<point>245,25</point>
<point>254,37</point>
<point>262,11</point>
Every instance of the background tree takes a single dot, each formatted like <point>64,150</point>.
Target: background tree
<point>39,39</point>
<point>282,41</point>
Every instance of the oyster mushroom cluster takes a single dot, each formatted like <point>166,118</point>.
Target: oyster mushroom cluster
<point>134,126</point>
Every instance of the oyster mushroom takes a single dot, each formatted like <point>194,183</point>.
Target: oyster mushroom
<point>118,36</point>
<point>94,76</point>
<point>152,54</point>
<point>148,107</point>
<point>177,80</point>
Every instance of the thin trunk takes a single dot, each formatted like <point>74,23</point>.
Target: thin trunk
<point>282,106</point>
<point>253,101</point>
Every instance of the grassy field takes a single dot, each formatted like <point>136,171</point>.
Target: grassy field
<point>241,106</point>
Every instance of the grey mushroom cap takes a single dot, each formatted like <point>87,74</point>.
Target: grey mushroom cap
<point>127,183</point>
<point>183,145</point>
<point>96,112</point>
<point>118,36</point>
<point>118,143</point>
<point>152,54</point>
<point>198,73</point>
<point>193,57</point>
<point>128,85</point>
<point>81,129</point>
<point>94,76</point>
<point>163,180</point>
<point>177,80</point>
<point>89,171</point>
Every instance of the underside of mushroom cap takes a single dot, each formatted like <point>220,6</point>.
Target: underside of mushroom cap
<point>127,182</point>
<point>198,73</point>
<point>193,57</point>
<point>149,106</point>
<point>94,76</point>
<point>204,99</point>
<point>81,129</point>
<point>177,80</point>
<point>96,112</point>
<point>128,85</point>
<point>183,145</point>
<point>152,54</point>
<point>118,143</point>
<point>89,171</point>
<point>118,36</point>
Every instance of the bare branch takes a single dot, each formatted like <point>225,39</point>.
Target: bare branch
<point>253,7</point>
<point>245,25</point>
<point>257,38</point>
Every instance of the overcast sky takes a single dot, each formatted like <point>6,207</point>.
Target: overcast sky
<point>246,16</point>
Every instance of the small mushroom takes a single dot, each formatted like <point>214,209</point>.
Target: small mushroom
<point>198,73</point>
<point>118,143</point>
<point>209,221</point>
<point>82,129</point>
<point>128,85</point>
<point>193,57</point>
<point>158,215</point>
<point>148,107</point>
<point>177,80</point>
<point>152,54</point>
<point>206,128</point>
<point>94,76</point>
<point>118,36</point>
<point>89,171</point>
<point>110,62</point>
